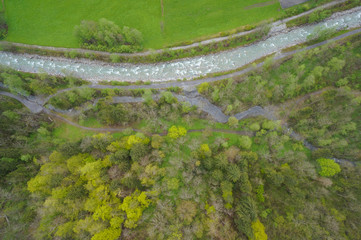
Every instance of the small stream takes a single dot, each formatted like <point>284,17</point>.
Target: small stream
<point>178,69</point>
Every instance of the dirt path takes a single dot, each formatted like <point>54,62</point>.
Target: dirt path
<point>32,106</point>
<point>254,111</point>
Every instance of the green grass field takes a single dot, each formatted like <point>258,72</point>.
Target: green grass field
<point>51,22</point>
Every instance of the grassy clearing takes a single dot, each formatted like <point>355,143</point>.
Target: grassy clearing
<point>71,133</point>
<point>67,133</point>
<point>45,22</point>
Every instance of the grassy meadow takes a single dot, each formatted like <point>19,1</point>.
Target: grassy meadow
<point>51,22</point>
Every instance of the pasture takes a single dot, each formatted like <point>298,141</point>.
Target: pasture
<point>51,22</point>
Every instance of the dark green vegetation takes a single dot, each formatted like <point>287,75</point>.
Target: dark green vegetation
<point>82,96</point>
<point>331,120</point>
<point>177,177</point>
<point>156,115</point>
<point>24,137</point>
<point>35,84</point>
<point>106,36</point>
<point>21,135</point>
<point>172,187</point>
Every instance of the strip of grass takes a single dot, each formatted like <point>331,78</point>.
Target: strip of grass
<point>49,23</point>
<point>71,133</point>
<point>165,55</point>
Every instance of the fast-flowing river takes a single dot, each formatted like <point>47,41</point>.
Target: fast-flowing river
<point>179,69</point>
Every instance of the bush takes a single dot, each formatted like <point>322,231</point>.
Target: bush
<point>203,87</point>
<point>255,127</point>
<point>205,151</point>
<point>245,142</point>
<point>114,58</point>
<point>73,54</point>
<point>268,125</point>
<point>233,122</point>
<point>132,36</point>
<point>105,35</point>
<point>328,167</point>
<point>176,132</point>
<point>321,34</point>
<point>167,97</point>
<point>318,16</point>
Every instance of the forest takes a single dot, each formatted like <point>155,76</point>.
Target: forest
<point>142,163</point>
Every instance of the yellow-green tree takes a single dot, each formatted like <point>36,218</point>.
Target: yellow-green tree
<point>205,151</point>
<point>176,132</point>
<point>328,167</point>
<point>134,206</point>
<point>258,231</point>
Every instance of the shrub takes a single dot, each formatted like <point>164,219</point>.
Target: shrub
<point>255,127</point>
<point>245,142</point>
<point>328,167</point>
<point>173,184</point>
<point>203,87</point>
<point>105,35</point>
<point>233,122</point>
<point>205,151</point>
<point>176,132</point>
<point>318,16</point>
<point>156,141</point>
<point>268,125</point>
<point>167,97</point>
<point>132,36</point>
<point>73,54</point>
<point>114,58</point>
<point>321,34</point>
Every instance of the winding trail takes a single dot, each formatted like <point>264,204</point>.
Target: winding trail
<point>194,98</point>
<point>32,106</point>
<point>95,71</point>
